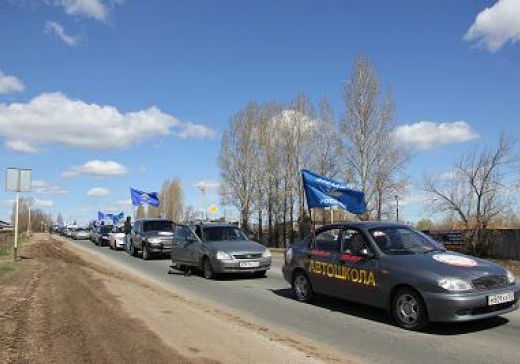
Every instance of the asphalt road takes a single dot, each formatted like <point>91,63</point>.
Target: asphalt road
<point>355,330</point>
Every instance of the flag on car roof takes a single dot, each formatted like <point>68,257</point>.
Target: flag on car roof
<point>144,198</point>
<point>102,216</point>
<point>325,192</point>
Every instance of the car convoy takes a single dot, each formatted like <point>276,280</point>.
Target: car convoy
<point>390,266</point>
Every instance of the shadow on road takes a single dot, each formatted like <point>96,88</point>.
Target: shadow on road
<point>380,316</point>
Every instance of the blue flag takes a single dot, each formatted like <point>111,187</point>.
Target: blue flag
<point>144,198</point>
<point>102,216</point>
<point>118,217</point>
<point>325,192</point>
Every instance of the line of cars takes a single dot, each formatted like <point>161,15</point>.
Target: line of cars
<point>390,266</point>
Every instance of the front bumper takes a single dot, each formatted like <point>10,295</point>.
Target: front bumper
<point>237,266</point>
<point>445,307</point>
<point>160,248</point>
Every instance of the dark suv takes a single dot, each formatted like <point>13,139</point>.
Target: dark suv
<point>152,237</point>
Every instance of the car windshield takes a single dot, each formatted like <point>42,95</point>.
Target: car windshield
<point>160,225</point>
<point>399,240</point>
<point>220,233</point>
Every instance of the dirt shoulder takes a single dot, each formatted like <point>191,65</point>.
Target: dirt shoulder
<point>60,308</point>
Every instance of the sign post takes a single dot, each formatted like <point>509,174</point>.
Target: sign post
<point>17,180</point>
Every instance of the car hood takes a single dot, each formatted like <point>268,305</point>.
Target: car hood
<point>118,235</point>
<point>448,264</point>
<point>236,246</point>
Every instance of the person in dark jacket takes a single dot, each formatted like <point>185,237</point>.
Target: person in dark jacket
<point>127,229</point>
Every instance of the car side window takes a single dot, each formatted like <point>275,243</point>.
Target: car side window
<point>328,240</point>
<point>353,242</point>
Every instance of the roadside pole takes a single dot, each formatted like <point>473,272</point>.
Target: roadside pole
<point>15,248</point>
<point>17,180</point>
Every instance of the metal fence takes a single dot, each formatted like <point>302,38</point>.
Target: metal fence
<point>503,244</point>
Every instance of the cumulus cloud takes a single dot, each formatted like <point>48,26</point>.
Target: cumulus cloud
<point>96,168</point>
<point>207,185</point>
<point>10,84</point>
<point>98,191</point>
<point>42,203</point>
<point>53,118</point>
<point>45,188</point>
<point>58,31</point>
<point>20,146</point>
<point>428,135</point>
<point>95,9</point>
<point>495,26</point>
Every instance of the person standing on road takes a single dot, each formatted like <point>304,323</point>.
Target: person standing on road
<point>127,230</point>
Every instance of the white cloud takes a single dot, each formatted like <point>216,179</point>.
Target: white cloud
<point>42,203</point>
<point>10,84</point>
<point>53,118</point>
<point>45,188</point>
<point>98,191</point>
<point>207,185</point>
<point>57,30</point>
<point>20,146</point>
<point>96,9</point>
<point>97,168</point>
<point>427,135</point>
<point>124,202</point>
<point>495,26</point>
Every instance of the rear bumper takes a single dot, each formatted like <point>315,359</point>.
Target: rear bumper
<point>443,307</point>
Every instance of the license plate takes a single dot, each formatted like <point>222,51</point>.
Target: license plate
<point>249,264</point>
<point>501,298</point>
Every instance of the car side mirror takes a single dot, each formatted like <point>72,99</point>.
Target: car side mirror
<point>191,238</point>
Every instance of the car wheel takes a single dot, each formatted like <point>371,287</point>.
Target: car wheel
<point>302,287</point>
<point>133,250</point>
<point>207,269</point>
<point>409,310</point>
<point>146,253</point>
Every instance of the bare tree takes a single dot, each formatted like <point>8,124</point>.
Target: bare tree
<point>237,156</point>
<point>476,190</point>
<point>172,200</point>
<point>374,162</point>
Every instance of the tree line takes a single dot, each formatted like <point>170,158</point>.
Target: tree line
<point>267,144</point>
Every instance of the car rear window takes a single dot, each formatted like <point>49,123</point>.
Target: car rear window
<point>158,226</point>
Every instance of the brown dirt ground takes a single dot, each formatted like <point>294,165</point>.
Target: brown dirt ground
<point>59,308</point>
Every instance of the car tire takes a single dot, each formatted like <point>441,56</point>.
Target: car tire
<point>302,287</point>
<point>409,310</point>
<point>207,269</point>
<point>146,252</point>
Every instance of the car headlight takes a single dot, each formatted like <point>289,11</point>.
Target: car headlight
<point>455,285</point>
<point>510,276</point>
<point>266,254</point>
<point>154,241</point>
<point>222,256</point>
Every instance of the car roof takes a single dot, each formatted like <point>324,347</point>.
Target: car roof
<point>154,219</point>
<point>364,224</point>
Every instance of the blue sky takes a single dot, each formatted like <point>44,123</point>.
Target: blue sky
<point>99,96</point>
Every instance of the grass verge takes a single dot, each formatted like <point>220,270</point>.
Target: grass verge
<point>7,267</point>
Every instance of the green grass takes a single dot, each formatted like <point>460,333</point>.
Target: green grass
<point>4,250</point>
<point>7,268</point>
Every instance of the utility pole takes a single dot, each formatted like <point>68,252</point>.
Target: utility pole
<point>397,208</point>
<point>202,190</point>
